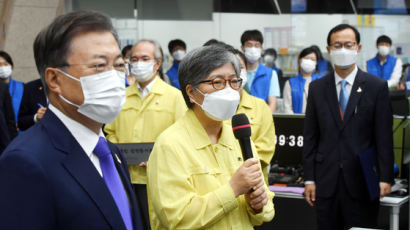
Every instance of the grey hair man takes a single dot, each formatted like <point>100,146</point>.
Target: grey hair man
<point>73,174</point>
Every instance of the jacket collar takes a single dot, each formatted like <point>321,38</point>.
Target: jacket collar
<point>157,88</point>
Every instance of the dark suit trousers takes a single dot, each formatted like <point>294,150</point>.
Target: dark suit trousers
<point>343,211</point>
<point>142,198</point>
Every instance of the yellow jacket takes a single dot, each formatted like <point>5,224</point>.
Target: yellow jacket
<point>263,128</point>
<point>188,181</point>
<point>144,120</point>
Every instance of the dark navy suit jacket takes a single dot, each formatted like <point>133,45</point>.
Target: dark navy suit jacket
<point>331,143</point>
<point>48,182</point>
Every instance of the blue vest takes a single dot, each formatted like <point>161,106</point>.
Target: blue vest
<point>322,67</point>
<point>173,75</point>
<point>16,89</point>
<point>261,83</point>
<point>384,71</point>
<point>297,85</point>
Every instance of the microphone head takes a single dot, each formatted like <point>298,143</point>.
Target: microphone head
<point>241,126</point>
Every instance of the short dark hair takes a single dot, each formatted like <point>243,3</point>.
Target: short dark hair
<point>200,62</point>
<point>318,52</point>
<point>255,35</point>
<point>211,42</point>
<point>384,38</point>
<point>271,51</point>
<point>174,43</point>
<point>307,51</point>
<point>7,57</point>
<point>52,45</point>
<point>125,50</point>
<point>341,27</point>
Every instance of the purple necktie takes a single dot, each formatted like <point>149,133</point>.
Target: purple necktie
<point>113,181</point>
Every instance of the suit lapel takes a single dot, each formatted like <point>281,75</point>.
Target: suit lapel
<point>82,170</point>
<point>354,97</point>
<point>332,101</point>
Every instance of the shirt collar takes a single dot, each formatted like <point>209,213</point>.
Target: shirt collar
<point>83,135</point>
<point>199,136</point>
<point>148,87</point>
<point>350,78</point>
<point>245,100</point>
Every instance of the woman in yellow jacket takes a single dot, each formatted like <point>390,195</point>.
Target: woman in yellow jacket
<point>196,174</point>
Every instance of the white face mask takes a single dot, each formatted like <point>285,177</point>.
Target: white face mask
<point>5,71</point>
<point>253,54</point>
<point>142,70</point>
<point>220,105</point>
<point>383,50</point>
<point>269,59</point>
<point>343,58</point>
<point>178,55</point>
<point>244,76</point>
<point>104,95</point>
<point>307,65</point>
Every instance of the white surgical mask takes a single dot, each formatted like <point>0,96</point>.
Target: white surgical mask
<point>244,76</point>
<point>220,105</point>
<point>269,59</point>
<point>178,55</point>
<point>104,95</point>
<point>5,71</point>
<point>343,58</point>
<point>307,65</point>
<point>253,54</point>
<point>142,70</point>
<point>383,50</point>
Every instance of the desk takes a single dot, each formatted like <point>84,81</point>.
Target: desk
<point>394,204</point>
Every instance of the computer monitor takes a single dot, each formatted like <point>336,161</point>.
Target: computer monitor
<point>289,139</point>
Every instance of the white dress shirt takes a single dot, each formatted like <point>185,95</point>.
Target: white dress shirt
<point>83,135</point>
<point>145,91</point>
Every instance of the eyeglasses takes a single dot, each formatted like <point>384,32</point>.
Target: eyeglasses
<point>220,83</point>
<point>99,68</point>
<point>347,45</point>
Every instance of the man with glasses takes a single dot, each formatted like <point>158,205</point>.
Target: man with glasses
<point>62,173</point>
<point>262,81</point>
<point>151,106</point>
<point>348,135</point>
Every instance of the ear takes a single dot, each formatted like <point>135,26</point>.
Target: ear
<point>243,48</point>
<point>359,49</point>
<point>52,80</point>
<point>328,49</point>
<point>157,65</point>
<point>190,92</point>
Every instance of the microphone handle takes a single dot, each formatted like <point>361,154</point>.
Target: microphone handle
<point>245,144</point>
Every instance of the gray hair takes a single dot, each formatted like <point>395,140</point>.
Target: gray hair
<point>199,63</point>
<point>52,45</point>
<point>158,54</point>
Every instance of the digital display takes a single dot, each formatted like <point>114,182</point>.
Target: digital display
<point>288,139</point>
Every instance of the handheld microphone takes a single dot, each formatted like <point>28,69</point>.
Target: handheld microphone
<point>242,131</point>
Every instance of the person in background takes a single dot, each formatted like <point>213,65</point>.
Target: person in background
<point>7,123</point>
<point>348,118</point>
<point>196,174</point>
<point>323,66</point>
<point>177,48</point>
<point>33,105</point>
<point>261,119</point>
<point>126,53</point>
<point>151,106</point>
<point>62,173</point>
<point>16,88</point>
<point>295,93</point>
<point>269,60</point>
<point>262,81</point>
<point>384,65</point>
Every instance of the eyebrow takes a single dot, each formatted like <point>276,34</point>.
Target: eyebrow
<point>96,56</point>
<point>221,76</point>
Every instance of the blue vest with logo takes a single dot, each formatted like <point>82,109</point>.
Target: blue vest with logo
<point>261,83</point>
<point>16,89</point>
<point>173,75</point>
<point>384,71</point>
<point>297,85</point>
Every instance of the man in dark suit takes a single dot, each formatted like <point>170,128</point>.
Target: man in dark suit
<point>348,114</point>
<point>8,129</point>
<point>33,104</point>
<point>62,173</point>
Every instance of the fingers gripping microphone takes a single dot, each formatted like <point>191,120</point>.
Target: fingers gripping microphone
<point>242,131</point>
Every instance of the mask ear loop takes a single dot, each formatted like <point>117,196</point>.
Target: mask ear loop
<point>61,96</point>
<point>196,89</point>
